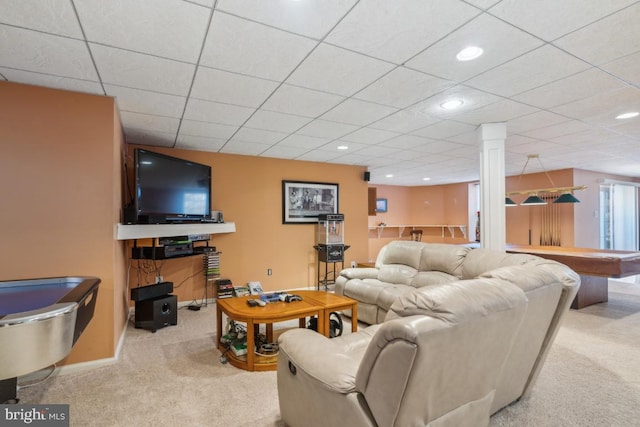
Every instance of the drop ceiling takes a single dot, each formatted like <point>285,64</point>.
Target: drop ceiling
<point>298,79</point>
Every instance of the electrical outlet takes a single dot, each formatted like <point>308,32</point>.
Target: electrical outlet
<point>269,272</point>
<point>353,264</point>
<point>159,279</point>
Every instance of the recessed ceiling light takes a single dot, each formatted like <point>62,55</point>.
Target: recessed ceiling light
<point>452,104</point>
<point>628,115</point>
<point>343,147</point>
<point>469,53</point>
<point>426,178</point>
<point>388,175</point>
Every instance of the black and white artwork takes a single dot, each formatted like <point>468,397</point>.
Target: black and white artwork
<point>302,201</point>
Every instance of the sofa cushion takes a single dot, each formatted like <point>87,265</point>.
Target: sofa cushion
<point>400,252</point>
<point>484,296</point>
<point>365,290</point>
<point>429,278</point>
<point>397,273</point>
<point>443,257</point>
<point>481,260</point>
<point>389,294</point>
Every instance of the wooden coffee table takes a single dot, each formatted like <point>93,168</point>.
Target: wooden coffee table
<point>314,303</point>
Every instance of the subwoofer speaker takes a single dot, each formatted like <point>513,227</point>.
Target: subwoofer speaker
<point>367,176</point>
<point>157,313</point>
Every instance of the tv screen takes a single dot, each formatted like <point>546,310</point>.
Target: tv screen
<point>169,189</point>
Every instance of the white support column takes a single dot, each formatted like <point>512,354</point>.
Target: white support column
<point>492,170</point>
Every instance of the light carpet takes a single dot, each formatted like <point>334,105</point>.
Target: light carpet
<point>175,377</point>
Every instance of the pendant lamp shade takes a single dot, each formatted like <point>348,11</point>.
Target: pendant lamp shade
<point>566,198</point>
<point>533,200</point>
<point>509,202</point>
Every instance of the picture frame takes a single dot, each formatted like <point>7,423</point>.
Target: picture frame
<point>303,201</point>
<point>381,205</point>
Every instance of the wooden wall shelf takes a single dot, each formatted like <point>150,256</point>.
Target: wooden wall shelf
<point>401,229</point>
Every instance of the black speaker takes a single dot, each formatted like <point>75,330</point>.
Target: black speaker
<point>157,313</point>
<point>142,293</point>
<point>367,176</point>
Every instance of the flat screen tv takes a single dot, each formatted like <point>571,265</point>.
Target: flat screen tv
<point>169,189</point>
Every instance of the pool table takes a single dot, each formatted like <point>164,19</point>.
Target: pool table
<point>40,321</point>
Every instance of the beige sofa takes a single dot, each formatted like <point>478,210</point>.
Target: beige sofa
<point>409,368</point>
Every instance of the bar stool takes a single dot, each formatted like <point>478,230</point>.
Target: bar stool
<point>416,235</point>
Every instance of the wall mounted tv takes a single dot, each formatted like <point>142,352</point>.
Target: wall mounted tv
<point>170,190</point>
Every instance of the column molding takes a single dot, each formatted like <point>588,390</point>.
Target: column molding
<point>492,185</point>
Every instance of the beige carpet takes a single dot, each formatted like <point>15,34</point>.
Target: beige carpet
<point>174,377</point>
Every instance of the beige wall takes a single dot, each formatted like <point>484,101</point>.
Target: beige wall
<point>58,167</point>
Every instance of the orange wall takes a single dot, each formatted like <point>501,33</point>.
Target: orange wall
<point>58,171</point>
<point>248,190</point>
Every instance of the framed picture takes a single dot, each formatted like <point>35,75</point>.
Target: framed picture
<point>302,201</point>
<point>381,205</point>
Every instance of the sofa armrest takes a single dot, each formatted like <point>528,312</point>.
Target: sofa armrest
<point>329,363</point>
<point>360,273</point>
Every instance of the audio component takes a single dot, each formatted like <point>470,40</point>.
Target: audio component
<point>142,293</point>
<point>162,252</point>
<point>156,313</point>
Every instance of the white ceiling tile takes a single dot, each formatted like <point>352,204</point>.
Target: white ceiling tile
<point>254,49</point>
<point>44,53</point>
<point>327,129</point>
<point>258,136</point>
<point>405,142</point>
<point>603,108</point>
<point>626,68</point>
<point>200,143</point>
<point>283,152</point>
<point>143,101</point>
<point>303,141</point>
<point>230,88</point>
<point>149,122</point>
<point>369,136</point>
<point>215,112</point>
<point>56,82</point>
<point>313,18</point>
<point>404,121</point>
<point>318,156</point>
<point>208,130</point>
<point>301,101</point>
<point>278,122</point>
<point>244,147</point>
<point>397,30</point>
<point>578,86</point>
<point>136,70</point>
<point>483,4</point>
<point>444,129</point>
<point>52,16</point>
<point>560,129</point>
<point>541,66</point>
<point>403,87</point>
<point>500,41</point>
<point>356,112</point>
<point>534,120</point>
<point>501,111</point>
<point>604,41</point>
<point>550,19</point>
<point>335,70</point>
<point>171,29</point>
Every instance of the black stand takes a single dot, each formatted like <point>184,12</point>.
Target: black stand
<point>330,254</point>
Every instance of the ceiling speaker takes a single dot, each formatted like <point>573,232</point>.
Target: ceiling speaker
<point>367,176</point>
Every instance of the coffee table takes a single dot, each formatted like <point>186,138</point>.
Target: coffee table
<point>314,303</point>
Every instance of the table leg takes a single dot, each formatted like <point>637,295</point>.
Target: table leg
<point>323,323</point>
<point>250,346</point>
<point>354,318</point>
<point>219,331</point>
<point>302,322</point>
<point>269,327</point>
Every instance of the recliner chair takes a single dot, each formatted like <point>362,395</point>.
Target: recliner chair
<point>434,361</point>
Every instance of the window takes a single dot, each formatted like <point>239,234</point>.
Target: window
<point>619,216</point>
